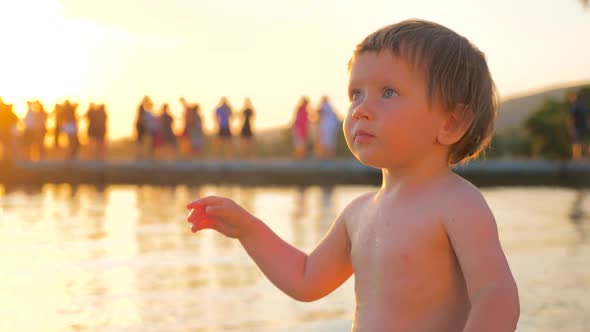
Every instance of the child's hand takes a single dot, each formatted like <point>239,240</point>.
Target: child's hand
<point>221,214</point>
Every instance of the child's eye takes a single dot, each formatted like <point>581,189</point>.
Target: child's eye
<point>389,92</point>
<point>354,95</point>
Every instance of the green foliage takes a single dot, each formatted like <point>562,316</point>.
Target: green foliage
<point>510,143</point>
<point>584,95</point>
<point>544,134</point>
<point>548,132</point>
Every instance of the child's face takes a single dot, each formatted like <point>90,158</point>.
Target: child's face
<point>389,122</point>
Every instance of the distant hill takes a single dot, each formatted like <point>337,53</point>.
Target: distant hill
<point>515,109</point>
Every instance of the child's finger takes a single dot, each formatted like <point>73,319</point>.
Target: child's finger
<point>196,217</point>
<point>195,214</point>
<point>205,201</point>
<point>202,224</point>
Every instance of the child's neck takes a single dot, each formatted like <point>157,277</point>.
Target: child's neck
<point>414,176</point>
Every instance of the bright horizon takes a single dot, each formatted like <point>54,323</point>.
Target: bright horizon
<point>115,52</point>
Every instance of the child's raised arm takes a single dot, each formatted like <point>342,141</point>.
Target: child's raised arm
<point>303,277</point>
<point>490,284</point>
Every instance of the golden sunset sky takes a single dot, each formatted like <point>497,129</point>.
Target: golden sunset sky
<point>117,51</point>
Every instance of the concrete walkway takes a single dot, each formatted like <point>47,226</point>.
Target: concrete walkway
<point>280,172</point>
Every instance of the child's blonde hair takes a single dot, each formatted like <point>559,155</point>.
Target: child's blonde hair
<point>455,71</point>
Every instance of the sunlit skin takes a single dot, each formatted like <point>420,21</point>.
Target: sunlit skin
<point>424,248</point>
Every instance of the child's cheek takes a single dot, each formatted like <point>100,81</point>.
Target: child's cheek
<point>347,128</point>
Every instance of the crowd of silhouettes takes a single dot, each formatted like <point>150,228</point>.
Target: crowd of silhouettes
<point>155,137</point>
<point>327,124</point>
<point>27,138</point>
<point>154,134</point>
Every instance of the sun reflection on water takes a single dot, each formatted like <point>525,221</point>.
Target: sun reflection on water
<point>82,258</point>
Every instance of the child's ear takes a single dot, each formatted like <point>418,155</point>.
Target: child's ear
<point>455,125</point>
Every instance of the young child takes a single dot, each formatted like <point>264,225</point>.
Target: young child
<point>424,248</point>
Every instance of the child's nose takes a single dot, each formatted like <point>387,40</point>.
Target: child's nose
<point>363,111</point>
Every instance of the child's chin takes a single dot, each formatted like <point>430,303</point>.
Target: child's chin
<point>370,161</point>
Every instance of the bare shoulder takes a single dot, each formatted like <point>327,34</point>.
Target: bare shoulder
<point>357,206</point>
<point>359,202</point>
<point>466,205</point>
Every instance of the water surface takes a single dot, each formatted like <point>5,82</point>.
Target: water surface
<point>121,258</point>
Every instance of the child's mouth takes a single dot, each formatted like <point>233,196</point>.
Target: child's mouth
<point>362,136</point>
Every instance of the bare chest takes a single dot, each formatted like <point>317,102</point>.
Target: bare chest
<point>401,242</point>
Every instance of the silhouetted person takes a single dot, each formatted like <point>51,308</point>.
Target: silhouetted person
<point>145,129</point>
<point>96,116</point>
<point>42,115</point>
<point>578,124</point>
<point>328,129</point>
<point>223,116</point>
<point>301,128</point>
<point>165,137</point>
<point>8,131</point>
<point>35,122</point>
<point>28,132</point>
<point>70,128</point>
<point>246,133</point>
<point>58,121</point>
<point>193,128</point>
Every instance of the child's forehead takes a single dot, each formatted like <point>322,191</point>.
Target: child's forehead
<point>382,66</point>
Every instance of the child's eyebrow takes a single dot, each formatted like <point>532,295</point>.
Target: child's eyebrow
<point>379,83</point>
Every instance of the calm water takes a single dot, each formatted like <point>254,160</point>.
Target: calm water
<point>122,258</point>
